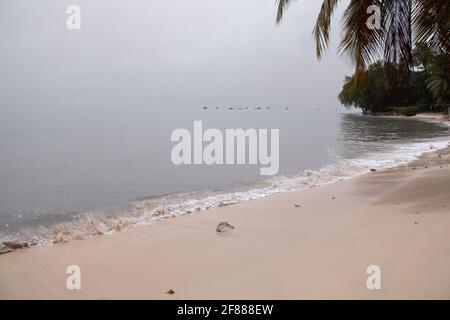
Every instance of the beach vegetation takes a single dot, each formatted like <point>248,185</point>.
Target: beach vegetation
<point>401,51</point>
<point>427,88</point>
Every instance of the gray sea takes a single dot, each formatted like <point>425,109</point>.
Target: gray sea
<point>112,166</point>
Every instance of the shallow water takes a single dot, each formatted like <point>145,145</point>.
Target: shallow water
<point>113,164</point>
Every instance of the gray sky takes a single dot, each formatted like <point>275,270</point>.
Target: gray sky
<point>171,53</point>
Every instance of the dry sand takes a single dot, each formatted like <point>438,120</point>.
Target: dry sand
<point>398,219</point>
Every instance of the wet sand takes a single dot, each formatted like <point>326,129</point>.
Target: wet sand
<point>309,244</point>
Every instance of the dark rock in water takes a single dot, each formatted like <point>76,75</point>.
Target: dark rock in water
<point>15,245</point>
<point>224,227</point>
<point>204,108</point>
<point>297,205</point>
<point>4,250</point>
<point>225,204</point>
<point>170,292</point>
<point>373,170</point>
<point>8,246</point>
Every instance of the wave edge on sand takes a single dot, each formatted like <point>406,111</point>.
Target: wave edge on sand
<point>143,212</point>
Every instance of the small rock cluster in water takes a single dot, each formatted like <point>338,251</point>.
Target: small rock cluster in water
<point>248,108</point>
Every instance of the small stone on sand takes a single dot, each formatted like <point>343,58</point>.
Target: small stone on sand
<point>224,227</point>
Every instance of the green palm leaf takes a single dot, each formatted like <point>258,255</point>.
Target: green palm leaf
<point>360,43</point>
<point>282,5</point>
<point>321,30</point>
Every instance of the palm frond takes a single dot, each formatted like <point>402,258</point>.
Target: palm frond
<point>360,43</point>
<point>282,5</point>
<point>397,31</point>
<point>438,82</point>
<point>321,30</point>
<point>431,21</point>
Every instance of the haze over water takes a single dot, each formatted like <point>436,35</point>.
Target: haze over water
<point>86,116</point>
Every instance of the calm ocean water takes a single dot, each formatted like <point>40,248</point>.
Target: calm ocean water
<point>98,169</point>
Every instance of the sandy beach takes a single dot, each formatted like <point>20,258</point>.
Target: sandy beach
<point>308,244</point>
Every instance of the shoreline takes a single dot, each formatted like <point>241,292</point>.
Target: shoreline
<point>308,244</point>
<point>93,224</point>
<point>441,115</point>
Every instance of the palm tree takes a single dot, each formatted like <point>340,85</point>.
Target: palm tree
<point>423,56</point>
<point>403,22</point>
<point>438,81</point>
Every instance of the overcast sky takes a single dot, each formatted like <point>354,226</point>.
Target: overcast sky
<point>171,53</point>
